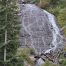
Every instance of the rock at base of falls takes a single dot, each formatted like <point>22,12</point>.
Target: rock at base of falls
<point>39,62</point>
<point>38,31</point>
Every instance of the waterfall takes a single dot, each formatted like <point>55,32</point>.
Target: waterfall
<point>57,37</point>
<point>40,25</point>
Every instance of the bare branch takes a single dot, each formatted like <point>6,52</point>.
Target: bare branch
<point>63,28</point>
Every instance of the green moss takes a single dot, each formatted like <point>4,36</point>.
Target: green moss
<point>48,63</point>
<point>25,53</point>
<point>65,31</point>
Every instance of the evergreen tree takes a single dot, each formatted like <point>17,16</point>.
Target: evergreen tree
<point>9,30</point>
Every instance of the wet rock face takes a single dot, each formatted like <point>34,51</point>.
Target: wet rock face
<point>35,31</point>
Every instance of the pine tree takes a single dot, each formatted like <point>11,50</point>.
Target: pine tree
<point>9,30</point>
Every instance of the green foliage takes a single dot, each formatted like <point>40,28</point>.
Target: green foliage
<point>62,60</point>
<point>9,22</point>
<point>62,18</point>
<point>14,62</point>
<point>48,63</point>
<point>24,54</point>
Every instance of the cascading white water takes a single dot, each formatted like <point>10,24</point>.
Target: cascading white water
<point>56,35</point>
<point>38,23</point>
<point>55,31</point>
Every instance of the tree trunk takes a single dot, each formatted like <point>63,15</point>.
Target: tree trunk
<point>5,46</point>
<point>5,34</point>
